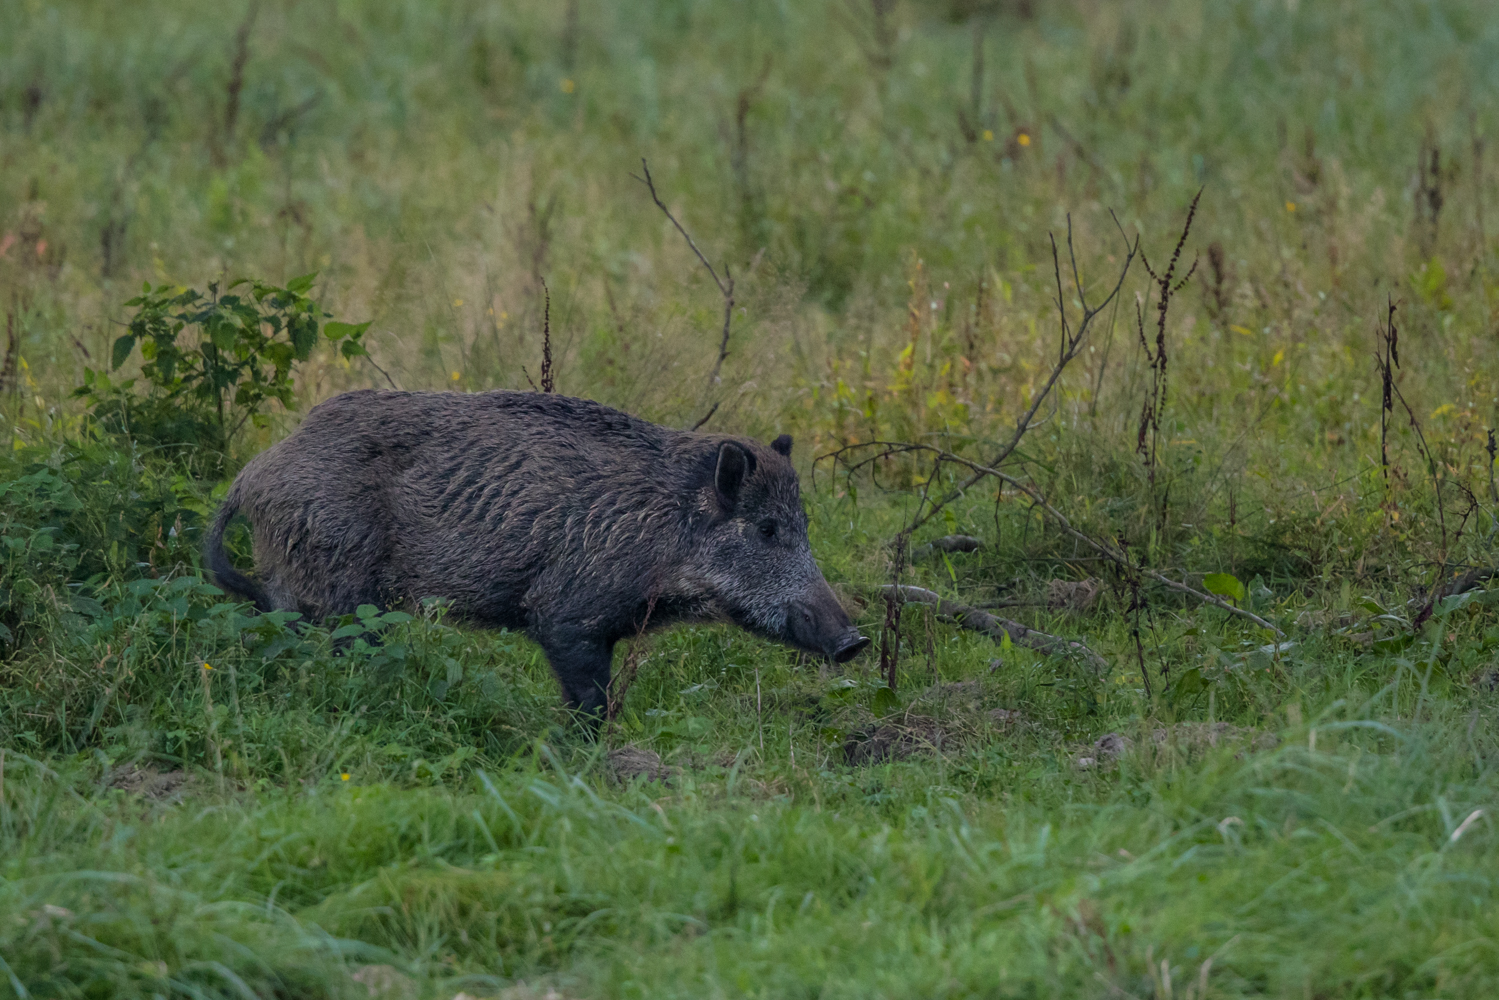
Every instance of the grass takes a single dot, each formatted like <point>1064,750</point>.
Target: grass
<point>198,802</point>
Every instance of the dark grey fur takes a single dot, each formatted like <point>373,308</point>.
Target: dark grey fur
<point>578,523</point>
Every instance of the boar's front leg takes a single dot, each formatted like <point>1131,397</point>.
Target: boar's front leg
<point>581,664</point>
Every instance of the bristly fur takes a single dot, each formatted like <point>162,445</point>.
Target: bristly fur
<point>578,523</point>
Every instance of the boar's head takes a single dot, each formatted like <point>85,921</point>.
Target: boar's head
<point>754,559</point>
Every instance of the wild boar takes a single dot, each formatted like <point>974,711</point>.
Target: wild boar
<point>580,524</point>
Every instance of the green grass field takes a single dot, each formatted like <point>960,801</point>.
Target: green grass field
<point>199,802</point>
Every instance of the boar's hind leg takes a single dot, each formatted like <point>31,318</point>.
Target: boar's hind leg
<point>582,668</point>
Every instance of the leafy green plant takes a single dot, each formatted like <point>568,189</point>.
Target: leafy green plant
<point>212,361</point>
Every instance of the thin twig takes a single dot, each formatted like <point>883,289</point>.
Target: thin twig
<point>1072,339</point>
<point>619,686</point>
<point>382,371</point>
<point>725,284</point>
<point>548,379</point>
<point>705,417</point>
<point>237,71</point>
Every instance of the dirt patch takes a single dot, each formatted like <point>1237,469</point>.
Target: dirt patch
<point>904,737</point>
<point>1005,718</point>
<point>148,782</point>
<point>939,719</point>
<point>958,696</point>
<point>630,762</point>
<point>1196,737</point>
<point>520,991</point>
<point>1193,738</point>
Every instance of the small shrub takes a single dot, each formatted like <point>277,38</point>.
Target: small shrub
<point>212,361</point>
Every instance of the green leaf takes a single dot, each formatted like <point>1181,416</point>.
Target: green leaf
<point>122,350</point>
<point>279,354</point>
<point>303,333</point>
<point>885,701</point>
<point>1394,644</point>
<point>1189,683</point>
<point>352,349</point>
<point>222,333</point>
<point>1225,585</point>
<point>337,331</point>
<point>299,286</point>
<point>367,611</point>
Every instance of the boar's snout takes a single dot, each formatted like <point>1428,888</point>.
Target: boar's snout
<point>820,625</point>
<point>850,645</point>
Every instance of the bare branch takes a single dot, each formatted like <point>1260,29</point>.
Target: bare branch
<point>651,186</point>
<point>725,285</point>
<point>705,417</point>
<point>1073,340</point>
<point>548,376</point>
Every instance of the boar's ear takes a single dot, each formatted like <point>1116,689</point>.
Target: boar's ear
<point>735,464</point>
<point>782,445</point>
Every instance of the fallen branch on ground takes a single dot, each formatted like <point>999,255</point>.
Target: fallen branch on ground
<point>947,543</point>
<point>1102,548</point>
<point>994,627</point>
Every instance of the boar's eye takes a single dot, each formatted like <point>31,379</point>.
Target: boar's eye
<point>768,528</point>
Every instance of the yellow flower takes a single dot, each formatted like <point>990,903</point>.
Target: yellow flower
<point>456,376</point>
<point>988,135</point>
<point>568,86</point>
<point>1023,139</point>
<point>207,667</point>
<point>344,776</point>
<point>1290,206</point>
<point>457,303</point>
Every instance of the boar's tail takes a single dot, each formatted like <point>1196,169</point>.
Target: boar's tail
<point>216,559</point>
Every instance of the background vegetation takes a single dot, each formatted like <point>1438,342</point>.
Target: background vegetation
<point>195,801</point>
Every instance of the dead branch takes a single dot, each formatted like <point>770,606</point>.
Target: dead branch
<point>1148,444</point>
<point>10,368</point>
<point>705,417</point>
<point>619,685</point>
<point>237,71</point>
<point>947,543</point>
<point>994,627</point>
<point>1072,338</point>
<point>725,284</point>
